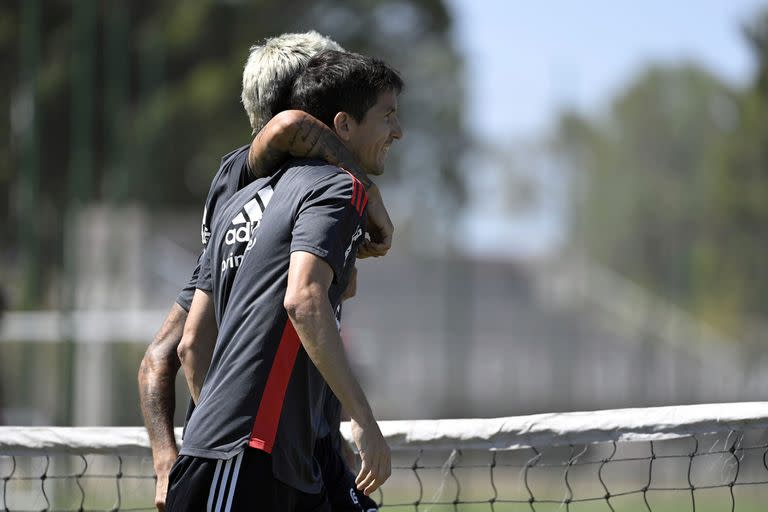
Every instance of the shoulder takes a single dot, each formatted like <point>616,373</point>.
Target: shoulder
<point>310,171</point>
<point>235,155</point>
<point>318,174</point>
<point>233,167</point>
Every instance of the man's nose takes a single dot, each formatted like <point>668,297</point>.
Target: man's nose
<point>397,131</point>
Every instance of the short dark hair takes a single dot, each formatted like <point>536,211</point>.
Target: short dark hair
<point>336,81</point>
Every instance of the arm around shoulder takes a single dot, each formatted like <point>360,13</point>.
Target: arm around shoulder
<point>296,133</point>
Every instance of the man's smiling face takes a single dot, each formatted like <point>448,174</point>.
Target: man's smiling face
<point>371,138</point>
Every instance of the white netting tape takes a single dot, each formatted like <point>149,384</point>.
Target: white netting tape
<point>541,430</point>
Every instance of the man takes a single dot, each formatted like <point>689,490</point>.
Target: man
<point>250,441</point>
<point>267,80</point>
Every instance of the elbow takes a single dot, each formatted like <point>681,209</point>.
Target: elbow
<point>294,306</point>
<point>284,128</point>
<point>304,304</point>
<point>287,122</point>
<point>159,360</point>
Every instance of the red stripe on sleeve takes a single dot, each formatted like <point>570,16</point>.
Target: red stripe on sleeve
<point>359,195</point>
<point>267,419</point>
<point>354,190</point>
<point>359,205</point>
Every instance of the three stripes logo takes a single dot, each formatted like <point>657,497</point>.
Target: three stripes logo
<point>223,485</point>
<point>244,227</point>
<point>359,196</point>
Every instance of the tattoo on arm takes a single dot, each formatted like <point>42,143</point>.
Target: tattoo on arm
<point>314,139</point>
<point>268,159</point>
<point>158,403</point>
<point>157,375</point>
<point>302,136</point>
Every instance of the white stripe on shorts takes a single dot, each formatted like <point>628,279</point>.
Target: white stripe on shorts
<point>233,481</point>
<point>223,486</point>
<point>212,491</point>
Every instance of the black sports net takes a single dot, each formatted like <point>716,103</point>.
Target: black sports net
<point>726,471</point>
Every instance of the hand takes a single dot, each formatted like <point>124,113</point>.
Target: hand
<point>380,227</point>
<point>162,470</point>
<point>376,463</point>
<point>161,489</point>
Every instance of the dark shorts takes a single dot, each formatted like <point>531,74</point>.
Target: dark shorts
<point>242,483</point>
<point>340,481</point>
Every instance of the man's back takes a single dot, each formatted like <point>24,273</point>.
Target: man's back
<point>261,389</point>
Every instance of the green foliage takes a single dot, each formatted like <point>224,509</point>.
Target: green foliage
<point>164,97</point>
<point>673,187</point>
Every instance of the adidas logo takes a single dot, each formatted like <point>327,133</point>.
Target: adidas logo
<point>241,233</point>
<point>244,227</point>
<point>248,219</point>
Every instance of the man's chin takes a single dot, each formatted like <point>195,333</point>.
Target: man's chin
<point>374,171</point>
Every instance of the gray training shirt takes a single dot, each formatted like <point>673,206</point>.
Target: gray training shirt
<point>233,175</point>
<point>261,389</point>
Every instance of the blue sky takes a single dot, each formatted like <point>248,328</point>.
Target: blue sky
<point>525,59</point>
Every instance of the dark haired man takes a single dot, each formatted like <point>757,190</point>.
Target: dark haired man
<point>250,442</point>
<point>268,77</point>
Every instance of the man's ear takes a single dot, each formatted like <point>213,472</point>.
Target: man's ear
<point>343,126</point>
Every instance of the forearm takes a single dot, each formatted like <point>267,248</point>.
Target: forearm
<point>158,402</point>
<point>316,326</point>
<point>195,364</point>
<point>298,134</point>
<point>157,375</point>
<point>196,348</point>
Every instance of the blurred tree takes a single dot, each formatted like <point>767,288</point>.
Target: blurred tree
<point>139,105</point>
<point>673,187</point>
<point>731,270</point>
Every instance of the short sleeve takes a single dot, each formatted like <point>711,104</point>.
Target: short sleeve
<point>204,279</point>
<point>329,220</point>
<point>185,295</point>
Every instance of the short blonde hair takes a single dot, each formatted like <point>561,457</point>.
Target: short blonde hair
<point>271,70</point>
